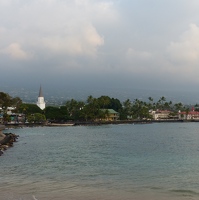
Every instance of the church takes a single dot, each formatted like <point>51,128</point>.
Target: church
<point>41,103</point>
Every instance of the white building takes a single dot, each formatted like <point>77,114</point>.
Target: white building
<point>189,115</point>
<point>41,103</point>
<point>160,114</point>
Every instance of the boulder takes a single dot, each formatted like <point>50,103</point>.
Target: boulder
<point>6,140</point>
<point>2,136</point>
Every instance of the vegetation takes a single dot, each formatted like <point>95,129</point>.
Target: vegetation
<point>7,101</point>
<point>36,118</point>
<point>56,113</point>
<point>29,109</point>
<point>90,110</point>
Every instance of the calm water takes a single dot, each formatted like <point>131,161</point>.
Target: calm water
<point>120,162</point>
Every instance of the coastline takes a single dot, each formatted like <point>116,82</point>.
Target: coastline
<point>93,123</point>
<point>6,140</point>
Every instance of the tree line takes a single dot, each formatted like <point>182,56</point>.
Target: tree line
<point>91,109</point>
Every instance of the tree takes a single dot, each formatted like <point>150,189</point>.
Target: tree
<point>104,102</point>
<point>16,103</point>
<point>178,106</point>
<point>29,109</point>
<point>126,110</point>
<point>150,99</point>
<point>36,118</point>
<point>160,103</point>
<point>91,110</point>
<point>6,117</point>
<point>116,105</point>
<point>55,113</point>
<point>64,113</point>
<point>5,100</point>
<point>151,104</point>
<point>74,109</point>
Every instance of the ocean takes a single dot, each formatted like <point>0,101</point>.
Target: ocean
<point>156,161</point>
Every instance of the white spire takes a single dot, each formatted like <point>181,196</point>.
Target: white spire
<point>41,103</point>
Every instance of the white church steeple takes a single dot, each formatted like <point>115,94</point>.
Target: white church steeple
<point>41,103</point>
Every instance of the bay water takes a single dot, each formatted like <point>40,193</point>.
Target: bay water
<point>109,162</point>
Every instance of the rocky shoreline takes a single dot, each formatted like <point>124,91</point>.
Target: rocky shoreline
<point>6,140</point>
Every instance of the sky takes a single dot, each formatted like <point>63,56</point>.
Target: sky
<point>148,44</point>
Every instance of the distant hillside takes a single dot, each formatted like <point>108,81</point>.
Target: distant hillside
<point>58,97</point>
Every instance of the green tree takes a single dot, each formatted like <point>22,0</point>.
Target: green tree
<point>5,100</point>
<point>29,109</point>
<point>150,104</point>
<point>115,104</point>
<point>16,102</point>
<point>55,113</point>
<point>64,112</point>
<point>6,118</point>
<point>36,118</point>
<point>104,102</point>
<point>91,110</point>
<point>160,103</point>
<point>126,110</point>
<point>179,106</point>
<point>74,109</point>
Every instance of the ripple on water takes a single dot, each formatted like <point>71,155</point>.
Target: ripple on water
<point>106,162</point>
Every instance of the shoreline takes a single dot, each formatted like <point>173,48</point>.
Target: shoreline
<point>6,140</point>
<point>93,123</point>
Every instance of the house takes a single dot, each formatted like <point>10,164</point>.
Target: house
<point>110,115</point>
<point>10,110</point>
<point>16,118</point>
<point>13,118</point>
<point>189,115</point>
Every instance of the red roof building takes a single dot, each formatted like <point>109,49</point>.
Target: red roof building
<point>189,115</point>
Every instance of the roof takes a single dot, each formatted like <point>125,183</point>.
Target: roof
<point>111,111</point>
<point>190,113</point>
<point>40,92</point>
<point>162,111</point>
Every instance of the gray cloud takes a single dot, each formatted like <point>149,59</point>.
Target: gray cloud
<point>100,43</point>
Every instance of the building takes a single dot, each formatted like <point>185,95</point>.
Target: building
<point>189,115</point>
<point>12,118</point>
<point>111,115</point>
<point>16,118</point>
<point>160,114</point>
<point>41,103</point>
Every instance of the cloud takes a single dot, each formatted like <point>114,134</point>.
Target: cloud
<point>119,38</point>
<point>137,61</point>
<point>81,40</point>
<point>15,51</point>
<point>56,27</point>
<point>186,50</point>
<point>139,55</point>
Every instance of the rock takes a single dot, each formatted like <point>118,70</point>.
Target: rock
<point>7,141</point>
<point>2,136</point>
